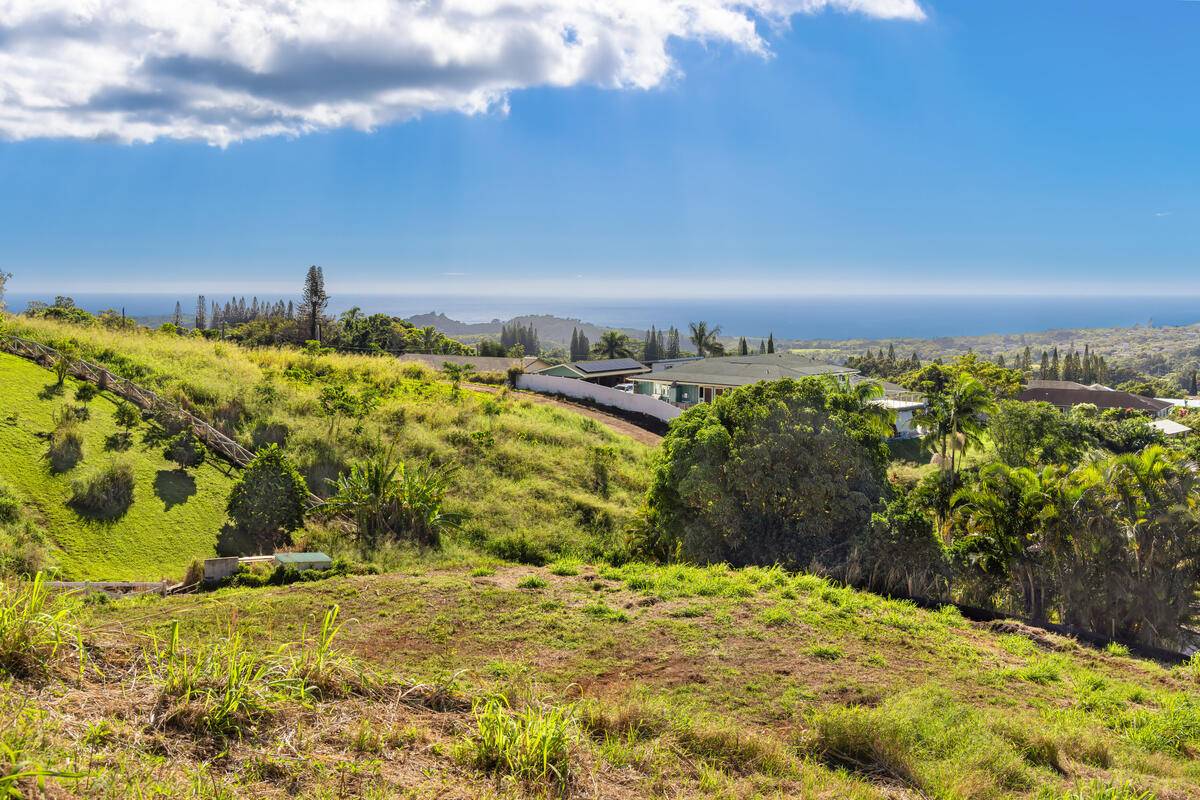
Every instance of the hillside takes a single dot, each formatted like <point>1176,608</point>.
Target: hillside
<point>529,478</point>
<point>624,682</point>
<point>176,515</point>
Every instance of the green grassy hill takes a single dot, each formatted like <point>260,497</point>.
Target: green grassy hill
<point>623,682</point>
<point>175,517</point>
<point>530,479</point>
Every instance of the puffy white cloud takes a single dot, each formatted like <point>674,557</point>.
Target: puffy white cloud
<point>225,70</point>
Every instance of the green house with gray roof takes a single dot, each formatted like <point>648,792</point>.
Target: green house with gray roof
<point>702,380</point>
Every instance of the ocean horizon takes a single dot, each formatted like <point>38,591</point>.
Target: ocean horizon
<point>830,317</point>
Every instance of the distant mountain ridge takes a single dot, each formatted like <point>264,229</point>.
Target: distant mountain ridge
<point>551,329</point>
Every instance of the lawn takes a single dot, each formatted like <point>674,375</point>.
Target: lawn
<point>176,515</point>
<point>637,681</point>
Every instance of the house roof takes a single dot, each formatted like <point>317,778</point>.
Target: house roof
<point>606,365</point>
<point>742,370</point>
<point>1101,398</point>
<point>1170,427</point>
<point>1040,384</point>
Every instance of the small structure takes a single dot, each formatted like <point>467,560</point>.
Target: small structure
<point>303,561</point>
<point>1169,427</point>
<point>701,380</point>
<point>216,569</point>
<point>605,372</point>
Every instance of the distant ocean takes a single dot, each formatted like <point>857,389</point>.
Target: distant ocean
<point>816,317</point>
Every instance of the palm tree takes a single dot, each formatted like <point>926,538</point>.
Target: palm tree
<point>954,418</point>
<point>429,339</point>
<point>706,340</point>
<point>613,344</point>
<point>862,400</point>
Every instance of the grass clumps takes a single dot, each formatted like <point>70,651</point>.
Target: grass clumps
<point>105,494</point>
<point>65,448</point>
<point>35,627</point>
<point>934,744</point>
<point>532,582</point>
<point>532,745</point>
<point>226,689</point>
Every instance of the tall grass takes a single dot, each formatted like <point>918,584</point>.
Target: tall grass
<point>532,745</point>
<point>224,688</point>
<point>35,627</point>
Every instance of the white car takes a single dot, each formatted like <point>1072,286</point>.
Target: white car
<point>624,387</point>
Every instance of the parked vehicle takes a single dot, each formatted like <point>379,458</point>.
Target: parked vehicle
<point>624,387</point>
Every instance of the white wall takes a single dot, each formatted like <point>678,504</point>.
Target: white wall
<point>601,395</point>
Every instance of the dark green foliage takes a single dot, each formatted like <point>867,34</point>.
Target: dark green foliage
<point>10,509</point>
<point>86,392</point>
<point>106,493</point>
<point>66,447</point>
<point>517,547</point>
<point>268,500</point>
<point>389,499</point>
<point>783,472</point>
<point>127,415</point>
<point>900,553</point>
<point>185,450</point>
<point>1115,430</point>
<point>1032,434</point>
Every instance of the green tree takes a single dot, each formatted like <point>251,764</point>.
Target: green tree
<point>1035,434</point>
<point>5,277</point>
<point>705,339</point>
<point>457,373</point>
<point>775,472</point>
<point>269,498</point>
<point>388,499</point>
<point>771,343</point>
<point>953,416</point>
<point>314,300</point>
<point>613,344</point>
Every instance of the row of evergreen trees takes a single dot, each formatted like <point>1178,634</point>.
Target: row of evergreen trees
<point>517,334</point>
<point>234,312</point>
<point>765,346</point>
<point>657,344</point>
<point>1086,367</point>
<point>884,364</point>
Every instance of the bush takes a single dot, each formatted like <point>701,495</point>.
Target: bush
<point>518,548</point>
<point>185,450</point>
<point>106,493</point>
<point>86,392</point>
<point>780,472</point>
<point>10,509</point>
<point>268,500</point>
<point>66,447</point>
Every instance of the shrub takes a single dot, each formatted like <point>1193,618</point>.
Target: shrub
<point>86,392</point>
<point>66,447</point>
<point>185,450</point>
<point>127,415</point>
<point>518,548</point>
<point>531,745</point>
<point>531,582</point>
<point>388,498</point>
<point>10,509</point>
<point>268,499</point>
<point>106,493</point>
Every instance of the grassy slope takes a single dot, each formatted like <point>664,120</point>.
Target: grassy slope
<point>531,477</point>
<point>686,683</point>
<point>175,516</point>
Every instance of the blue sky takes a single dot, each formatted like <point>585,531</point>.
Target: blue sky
<point>1018,146</point>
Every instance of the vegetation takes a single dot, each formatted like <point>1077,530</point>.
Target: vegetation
<point>173,519</point>
<point>710,682</point>
<point>268,501</point>
<point>105,494</point>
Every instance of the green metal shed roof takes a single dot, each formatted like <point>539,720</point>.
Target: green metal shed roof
<point>302,558</point>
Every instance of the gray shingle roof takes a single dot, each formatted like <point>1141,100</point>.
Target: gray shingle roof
<point>742,370</point>
<point>1100,398</point>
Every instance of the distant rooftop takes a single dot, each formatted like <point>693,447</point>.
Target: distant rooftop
<point>1101,398</point>
<point>607,365</point>
<point>742,370</point>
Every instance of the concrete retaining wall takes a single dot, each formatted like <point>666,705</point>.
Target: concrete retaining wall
<point>601,395</point>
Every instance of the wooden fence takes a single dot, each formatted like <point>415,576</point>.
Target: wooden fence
<point>143,398</point>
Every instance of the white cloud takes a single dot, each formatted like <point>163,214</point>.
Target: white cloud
<point>226,70</point>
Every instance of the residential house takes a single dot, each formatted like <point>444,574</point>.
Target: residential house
<point>1065,395</point>
<point>605,372</point>
<point>703,380</point>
